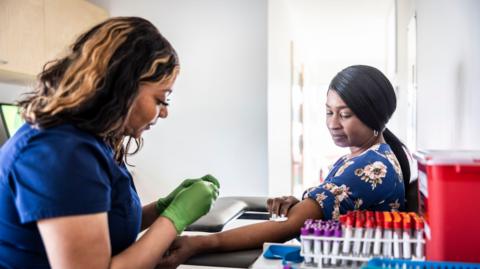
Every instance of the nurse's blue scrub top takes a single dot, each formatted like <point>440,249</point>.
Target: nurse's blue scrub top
<point>60,171</point>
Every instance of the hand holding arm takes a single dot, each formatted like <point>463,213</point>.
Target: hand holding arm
<point>281,205</point>
<point>246,237</point>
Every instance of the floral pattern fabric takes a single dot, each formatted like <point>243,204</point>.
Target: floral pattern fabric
<point>370,181</point>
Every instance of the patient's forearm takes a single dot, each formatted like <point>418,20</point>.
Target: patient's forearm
<point>253,236</point>
<point>149,215</point>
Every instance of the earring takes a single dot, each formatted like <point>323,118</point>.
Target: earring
<point>375,133</point>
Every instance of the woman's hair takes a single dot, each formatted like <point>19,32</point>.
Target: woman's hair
<point>370,95</point>
<point>94,85</point>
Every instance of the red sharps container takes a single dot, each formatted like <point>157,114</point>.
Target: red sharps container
<point>449,201</point>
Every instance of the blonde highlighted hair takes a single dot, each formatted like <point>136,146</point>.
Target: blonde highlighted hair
<point>94,85</point>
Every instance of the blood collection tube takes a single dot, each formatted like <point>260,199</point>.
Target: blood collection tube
<point>317,242</point>
<point>369,231</point>
<point>348,235</point>
<point>359,222</point>
<point>407,235</point>
<point>377,243</point>
<point>397,235</point>
<point>306,244</point>
<point>327,243</point>
<point>347,239</point>
<point>419,228</point>
<point>370,215</point>
<point>337,234</point>
<point>387,234</point>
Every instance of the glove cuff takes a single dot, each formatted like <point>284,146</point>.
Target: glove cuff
<point>176,220</point>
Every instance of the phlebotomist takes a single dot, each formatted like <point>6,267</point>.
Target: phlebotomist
<point>66,197</point>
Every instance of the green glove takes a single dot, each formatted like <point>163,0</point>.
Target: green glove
<point>190,204</point>
<point>163,203</point>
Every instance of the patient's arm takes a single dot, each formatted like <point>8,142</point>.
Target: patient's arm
<point>254,235</point>
<point>246,237</point>
<point>149,215</point>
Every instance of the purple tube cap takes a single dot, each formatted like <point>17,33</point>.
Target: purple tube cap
<point>309,221</point>
<point>328,232</point>
<point>337,232</point>
<point>304,231</point>
<point>318,231</point>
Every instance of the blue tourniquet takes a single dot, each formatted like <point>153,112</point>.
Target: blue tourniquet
<point>286,253</point>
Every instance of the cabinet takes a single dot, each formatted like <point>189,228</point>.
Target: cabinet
<point>21,37</point>
<point>33,32</point>
<point>65,20</point>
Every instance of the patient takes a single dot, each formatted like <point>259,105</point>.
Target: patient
<point>360,101</point>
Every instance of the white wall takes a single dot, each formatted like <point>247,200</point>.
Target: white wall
<point>218,116</point>
<point>333,34</point>
<point>279,100</point>
<point>328,35</point>
<point>448,60</point>
<point>405,11</point>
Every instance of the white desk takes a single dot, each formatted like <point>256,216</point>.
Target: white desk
<point>230,225</point>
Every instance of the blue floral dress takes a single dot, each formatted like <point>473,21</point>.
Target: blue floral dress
<point>370,181</point>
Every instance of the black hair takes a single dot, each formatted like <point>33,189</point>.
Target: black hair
<point>370,95</point>
<point>94,85</point>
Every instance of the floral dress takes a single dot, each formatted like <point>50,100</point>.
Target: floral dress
<point>370,181</point>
